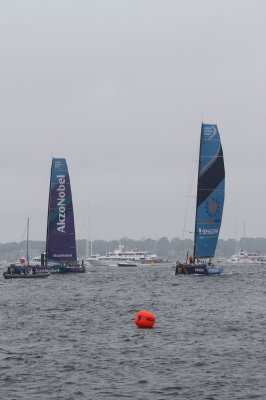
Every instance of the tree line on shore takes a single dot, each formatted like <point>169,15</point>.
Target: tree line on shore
<point>171,249</point>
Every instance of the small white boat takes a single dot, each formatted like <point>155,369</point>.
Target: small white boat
<point>120,255</point>
<point>128,264</point>
<point>243,257</point>
<point>96,260</point>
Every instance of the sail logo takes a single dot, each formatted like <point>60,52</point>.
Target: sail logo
<point>212,207</point>
<point>58,164</point>
<point>208,231</point>
<point>61,204</point>
<point>61,256</point>
<point>210,132</point>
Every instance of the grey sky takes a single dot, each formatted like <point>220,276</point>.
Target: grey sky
<point>119,88</point>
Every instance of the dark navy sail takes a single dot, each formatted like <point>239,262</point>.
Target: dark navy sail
<point>210,192</point>
<point>61,240</point>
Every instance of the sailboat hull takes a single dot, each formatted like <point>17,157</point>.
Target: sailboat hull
<point>203,269</point>
<point>59,269</point>
<point>6,275</point>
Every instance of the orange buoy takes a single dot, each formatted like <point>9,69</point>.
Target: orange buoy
<point>144,319</point>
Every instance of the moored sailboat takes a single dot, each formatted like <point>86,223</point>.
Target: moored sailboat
<point>61,252</point>
<point>209,205</point>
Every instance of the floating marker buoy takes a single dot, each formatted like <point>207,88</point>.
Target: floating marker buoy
<point>144,319</point>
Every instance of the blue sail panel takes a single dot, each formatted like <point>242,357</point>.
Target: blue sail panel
<point>210,192</point>
<point>61,240</point>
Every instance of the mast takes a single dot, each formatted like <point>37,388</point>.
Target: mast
<point>244,241</point>
<point>237,241</point>
<point>88,238</point>
<point>27,251</point>
<point>48,213</point>
<point>195,229</point>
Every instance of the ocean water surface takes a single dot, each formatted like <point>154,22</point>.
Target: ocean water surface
<point>73,336</point>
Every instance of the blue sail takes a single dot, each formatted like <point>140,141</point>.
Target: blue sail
<point>60,240</point>
<point>210,192</point>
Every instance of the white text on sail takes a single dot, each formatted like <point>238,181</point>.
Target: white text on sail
<point>61,204</point>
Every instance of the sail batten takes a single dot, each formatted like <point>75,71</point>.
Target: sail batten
<point>210,192</point>
<point>61,238</point>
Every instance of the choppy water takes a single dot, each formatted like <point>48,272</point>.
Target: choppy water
<point>74,337</point>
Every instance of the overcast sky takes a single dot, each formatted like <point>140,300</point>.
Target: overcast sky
<point>119,88</point>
